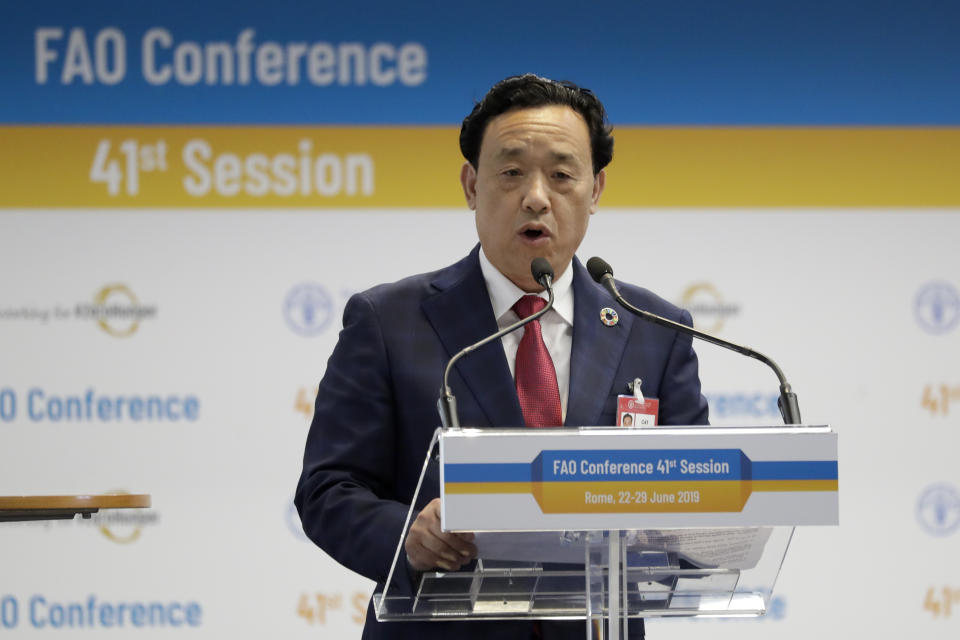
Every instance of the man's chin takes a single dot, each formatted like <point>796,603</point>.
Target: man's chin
<point>524,280</point>
<point>523,277</point>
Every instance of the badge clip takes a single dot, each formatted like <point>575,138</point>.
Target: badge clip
<point>634,388</point>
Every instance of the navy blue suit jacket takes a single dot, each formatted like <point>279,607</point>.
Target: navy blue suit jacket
<point>376,409</point>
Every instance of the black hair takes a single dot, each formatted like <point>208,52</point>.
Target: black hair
<point>528,91</point>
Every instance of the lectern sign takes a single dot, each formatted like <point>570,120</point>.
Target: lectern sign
<point>639,478</point>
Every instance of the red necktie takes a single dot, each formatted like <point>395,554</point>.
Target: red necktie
<point>534,373</point>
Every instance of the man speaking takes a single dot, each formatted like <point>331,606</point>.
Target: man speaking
<point>535,154</point>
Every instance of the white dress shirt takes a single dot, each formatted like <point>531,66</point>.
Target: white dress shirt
<point>556,325</point>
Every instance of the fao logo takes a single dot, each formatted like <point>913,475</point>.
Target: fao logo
<point>938,509</point>
<point>708,308</point>
<point>937,307</point>
<point>308,309</point>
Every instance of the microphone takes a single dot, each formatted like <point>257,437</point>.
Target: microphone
<point>602,274</point>
<point>542,273</point>
<point>447,404</point>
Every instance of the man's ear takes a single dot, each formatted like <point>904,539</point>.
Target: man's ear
<point>468,179</point>
<point>599,182</point>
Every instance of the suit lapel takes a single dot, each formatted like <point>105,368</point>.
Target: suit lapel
<point>596,353</point>
<point>461,314</point>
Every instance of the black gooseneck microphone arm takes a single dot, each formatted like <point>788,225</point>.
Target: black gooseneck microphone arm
<point>447,403</point>
<point>602,273</point>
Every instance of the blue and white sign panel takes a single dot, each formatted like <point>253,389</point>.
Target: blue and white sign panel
<point>544,479</point>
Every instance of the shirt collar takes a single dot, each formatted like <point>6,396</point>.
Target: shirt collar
<point>504,294</point>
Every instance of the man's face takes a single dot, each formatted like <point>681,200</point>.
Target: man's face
<point>533,189</point>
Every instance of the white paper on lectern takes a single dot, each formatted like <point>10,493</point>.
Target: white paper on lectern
<point>731,548</point>
<point>539,546</point>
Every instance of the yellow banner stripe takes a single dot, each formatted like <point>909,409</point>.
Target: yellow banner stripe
<point>785,167</point>
<point>311,167</point>
<point>640,497</point>
<point>796,485</point>
<point>488,487</point>
<point>266,167</point>
<point>643,497</point>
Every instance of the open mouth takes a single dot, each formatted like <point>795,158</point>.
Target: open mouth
<point>534,234</point>
<point>533,231</point>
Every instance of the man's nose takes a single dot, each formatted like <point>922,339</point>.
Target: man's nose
<point>536,199</point>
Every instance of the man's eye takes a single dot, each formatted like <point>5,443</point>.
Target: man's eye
<point>512,173</point>
<point>560,175</point>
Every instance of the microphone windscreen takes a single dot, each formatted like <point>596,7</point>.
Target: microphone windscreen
<point>598,268</point>
<point>540,267</point>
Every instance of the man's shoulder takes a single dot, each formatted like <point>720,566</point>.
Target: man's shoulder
<point>413,289</point>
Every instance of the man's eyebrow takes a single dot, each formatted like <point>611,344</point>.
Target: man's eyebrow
<point>510,152</point>
<point>560,156</point>
<point>515,152</point>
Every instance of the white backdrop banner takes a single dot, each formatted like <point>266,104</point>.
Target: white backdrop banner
<point>188,196</point>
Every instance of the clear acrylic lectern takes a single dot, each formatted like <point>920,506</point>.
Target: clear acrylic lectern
<point>618,523</point>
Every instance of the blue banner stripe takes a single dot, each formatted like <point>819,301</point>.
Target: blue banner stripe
<point>521,472</point>
<point>639,465</point>
<point>487,472</point>
<point>745,62</point>
<point>796,470</point>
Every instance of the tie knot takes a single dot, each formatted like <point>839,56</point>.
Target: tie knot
<point>529,305</point>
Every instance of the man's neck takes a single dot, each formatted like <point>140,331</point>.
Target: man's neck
<point>504,292</point>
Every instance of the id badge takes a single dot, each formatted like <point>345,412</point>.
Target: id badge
<point>637,413</point>
<point>635,410</point>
